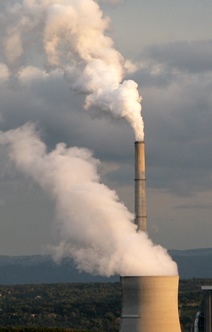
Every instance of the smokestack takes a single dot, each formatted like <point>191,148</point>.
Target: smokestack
<point>150,304</point>
<point>140,186</point>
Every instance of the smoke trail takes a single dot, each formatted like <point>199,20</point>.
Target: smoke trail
<point>72,36</point>
<point>95,227</point>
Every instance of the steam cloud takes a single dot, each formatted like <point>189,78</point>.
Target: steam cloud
<point>72,36</point>
<point>95,227</point>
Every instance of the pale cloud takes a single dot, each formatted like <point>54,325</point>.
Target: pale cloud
<point>4,73</point>
<point>29,74</point>
<point>192,56</point>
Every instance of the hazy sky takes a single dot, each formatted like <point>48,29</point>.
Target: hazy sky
<point>171,44</point>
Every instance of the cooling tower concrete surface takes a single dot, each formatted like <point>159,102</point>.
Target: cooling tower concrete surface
<point>140,186</point>
<point>150,304</point>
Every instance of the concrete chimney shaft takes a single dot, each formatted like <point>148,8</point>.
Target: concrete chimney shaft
<point>140,186</point>
<point>150,304</point>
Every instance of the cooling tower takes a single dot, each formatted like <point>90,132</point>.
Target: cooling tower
<point>140,186</point>
<point>150,304</point>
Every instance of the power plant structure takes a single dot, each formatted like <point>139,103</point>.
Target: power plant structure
<point>149,303</point>
<point>203,319</point>
<point>207,308</point>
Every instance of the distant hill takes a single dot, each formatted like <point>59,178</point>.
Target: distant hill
<point>36,269</point>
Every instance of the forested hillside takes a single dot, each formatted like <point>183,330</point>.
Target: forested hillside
<point>81,306</point>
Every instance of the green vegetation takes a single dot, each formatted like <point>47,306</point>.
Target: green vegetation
<point>80,306</point>
<point>36,329</point>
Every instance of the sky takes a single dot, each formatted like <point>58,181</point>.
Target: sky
<point>170,45</point>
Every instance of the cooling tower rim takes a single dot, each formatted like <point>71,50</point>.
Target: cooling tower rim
<point>151,277</point>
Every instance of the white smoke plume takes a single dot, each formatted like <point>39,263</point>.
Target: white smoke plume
<point>72,36</point>
<point>96,229</point>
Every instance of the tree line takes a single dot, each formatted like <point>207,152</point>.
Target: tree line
<point>80,306</point>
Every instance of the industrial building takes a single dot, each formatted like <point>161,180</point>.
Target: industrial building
<point>203,319</point>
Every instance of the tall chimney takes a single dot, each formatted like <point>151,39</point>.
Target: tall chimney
<point>150,304</point>
<point>140,186</point>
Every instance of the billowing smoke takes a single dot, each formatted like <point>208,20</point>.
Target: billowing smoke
<point>72,36</point>
<point>96,229</point>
